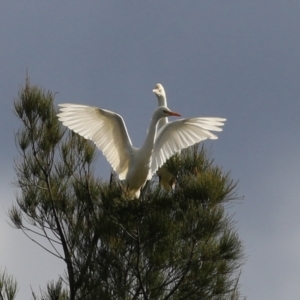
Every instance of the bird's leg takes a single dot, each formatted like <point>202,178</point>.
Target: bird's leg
<point>159,179</point>
<point>144,189</point>
<point>111,179</point>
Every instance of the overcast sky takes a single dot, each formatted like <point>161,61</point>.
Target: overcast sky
<point>233,59</point>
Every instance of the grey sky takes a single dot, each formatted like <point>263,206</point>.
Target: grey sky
<point>233,59</point>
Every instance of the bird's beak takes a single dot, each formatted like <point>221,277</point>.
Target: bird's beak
<point>173,113</point>
<point>155,91</point>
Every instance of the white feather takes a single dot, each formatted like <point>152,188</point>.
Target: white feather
<point>108,131</point>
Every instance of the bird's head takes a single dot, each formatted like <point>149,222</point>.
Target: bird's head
<point>159,90</point>
<point>164,111</point>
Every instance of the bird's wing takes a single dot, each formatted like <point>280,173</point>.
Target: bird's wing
<point>180,134</point>
<point>105,128</point>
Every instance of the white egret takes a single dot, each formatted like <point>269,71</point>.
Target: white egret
<point>136,165</point>
<point>166,179</point>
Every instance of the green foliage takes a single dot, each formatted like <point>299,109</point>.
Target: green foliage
<point>8,286</point>
<point>176,245</point>
<point>54,291</point>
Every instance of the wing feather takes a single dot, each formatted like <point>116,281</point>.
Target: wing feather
<point>180,134</point>
<point>105,128</point>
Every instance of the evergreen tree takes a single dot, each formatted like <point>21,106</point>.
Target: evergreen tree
<point>8,286</point>
<point>177,245</point>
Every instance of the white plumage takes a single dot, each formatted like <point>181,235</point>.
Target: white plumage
<point>136,165</point>
<point>180,134</point>
<point>166,179</point>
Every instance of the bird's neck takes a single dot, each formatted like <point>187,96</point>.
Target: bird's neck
<point>150,139</point>
<point>162,101</point>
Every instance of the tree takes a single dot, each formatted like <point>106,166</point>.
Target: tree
<point>8,286</point>
<point>177,245</point>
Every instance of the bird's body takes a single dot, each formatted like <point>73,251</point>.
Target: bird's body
<point>136,165</point>
<point>108,131</point>
<point>140,159</point>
